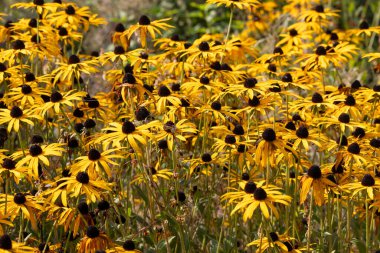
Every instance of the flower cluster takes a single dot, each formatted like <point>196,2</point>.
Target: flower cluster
<point>249,139</point>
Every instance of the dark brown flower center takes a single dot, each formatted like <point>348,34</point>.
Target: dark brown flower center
<point>216,105</point>
<point>35,150</point>
<point>70,10</point>
<point>321,50</point>
<point>344,118</point>
<point>83,178</point>
<point>269,135</point>
<point>204,46</point>
<point>56,97</point>
<point>62,31</point>
<point>26,89</point>
<point>19,198</point>
<point>74,59</point>
<point>238,130</point>
<point>364,25</point>
<point>314,172</point>
<point>354,148</point>
<point>8,164</point>
<point>16,112</point>
<point>129,78</point>
<point>368,180</point>
<point>83,208</point>
<point>206,157</point>
<point>230,139</point>
<point>129,245</point>
<point>38,2</point>
<point>250,187</point>
<point>18,45</point>
<point>350,100</point>
<point>250,82</point>
<point>317,98</point>
<point>94,155</point>
<point>274,236</point>
<point>92,232</point>
<point>204,80</point>
<point>128,127</point>
<point>255,101</point>
<point>293,32</point>
<point>164,91</point>
<point>260,194</point>
<point>144,20</point>
<point>302,132</point>
<point>5,242</point>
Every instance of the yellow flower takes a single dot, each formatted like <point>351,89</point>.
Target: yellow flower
<point>36,154</point>
<point>57,101</point>
<point>317,14</point>
<point>126,131</point>
<point>275,240</point>
<point>182,130</point>
<point>15,116</point>
<point>26,95</point>
<point>73,69</point>
<point>254,196</point>
<point>71,218</point>
<point>364,28</point>
<point>21,203</point>
<point>202,51</point>
<point>76,17</point>
<point>153,174</point>
<point>95,162</point>
<point>81,183</point>
<point>372,56</point>
<point>118,55</point>
<point>16,53</point>
<point>216,111</point>
<point>241,4</point>
<point>40,6</point>
<point>240,49</point>
<point>117,39</point>
<point>145,26</point>
<point>201,85</point>
<point>368,184</point>
<point>163,97</point>
<point>265,151</point>
<point>10,246</point>
<point>128,247</point>
<point>318,182</point>
<point>8,167</point>
<point>294,39</point>
<point>321,59</point>
<point>6,73</point>
<point>205,163</point>
<point>94,240</point>
<point>248,87</point>
<point>305,136</point>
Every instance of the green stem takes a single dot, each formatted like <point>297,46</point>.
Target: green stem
<point>20,235</point>
<point>339,223</point>
<point>49,236</point>
<point>367,225</point>
<point>6,191</point>
<point>71,125</point>
<point>229,24</point>
<point>295,194</point>
<point>20,142</point>
<point>309,221</point>
<point>228,30</point>
<point>349,214</point>
<point>221,231</point>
